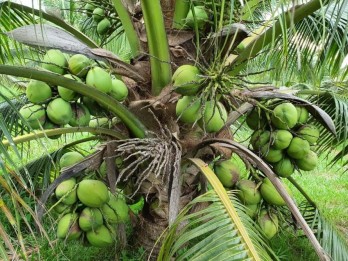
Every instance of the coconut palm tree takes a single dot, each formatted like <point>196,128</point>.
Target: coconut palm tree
<point>243,50</point>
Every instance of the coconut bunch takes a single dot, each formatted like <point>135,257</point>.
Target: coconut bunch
<point>260,199</point>
<point>86,208</point>
<point>102,13</point>
<point>287,140</point>
<point>210,115</point>
<point>56,106</point>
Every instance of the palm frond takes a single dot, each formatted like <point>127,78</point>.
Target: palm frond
<point>210,233</point>
<point>329,238</point>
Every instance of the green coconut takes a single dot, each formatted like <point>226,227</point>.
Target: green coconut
<point>270,154</point>
<point>188,109</point>
<point>119,90</point>
<point>98,14</point>
<point>271,195</point>
<point>248,193</point>
<point>34,115</point>
<point>199,16</point>
<point>59,111</point>
<point>268,223</point>
<point>55,61</point>
<point>99,79</point>
<point>309,133</point>
<point>68,227</point>
<point>227,172</point>
<point>38,92</point>
<point>67,94</point>
<point>284,168</point>
<point>100,237</point>
<point>90,219</point>
<point>308,162</point>
<point>103,26</point>
<point>260,138</point>
<point>251,210</point>
<point>186,80</point>
<point>284,116</point>
<point>116,210</point>
<point>79,65</point>
<point>255,119</point>
<point>50,125</point>
<point>281,139</point>
<point>92,193</point>
<point>70,158</point>
<point>66,192</point>
<point>298,148</point>
<point>214,117</point>
<point>61,208</point>
<point>302,115</point>
<point>89,8</point>
<point>81,115</point>
<point>93,107</point>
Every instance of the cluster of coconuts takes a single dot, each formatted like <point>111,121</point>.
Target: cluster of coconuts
<point>288,141</point>
<point>211,116</point>
<point>55,106</point>
<point>87,209</point>
<point>255,196</point>
<point>101,15</point>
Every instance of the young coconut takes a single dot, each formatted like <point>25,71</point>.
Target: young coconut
<point>298,148</point>
<point>308,162</point>
<point>271,195</point>
<point>188,109</point>
<point>92,193</point>
<point>115,210</point>
<point>214,117</point>
<point>67,94</point>
<point>255,119</point>
<point>199,16</point>
<point>81,115</point>
<point>100,237</point>
<point>99,79</point>
<point>248,193</point>
<point>55,61</point>
<point>59,111</point>
<point>268,223</point>
<point>90,219</point>
<point>260,138</point>
<point>270,154</point>
<point>98,14</point>
<point>284,116</point>
<point>284,168</point>
<point>103,26</point>
<point>119,90</point>
<point>66,192</point>
<point>309,133</point>
<point>281,139</point>
<point>34,115</point>
<point>68,227</point>
<point>79,65</point>
<point>186,80</point>
<point>70,158</point>
<point>38,92</point>
<point>302,115</point>
<point>227,172</point>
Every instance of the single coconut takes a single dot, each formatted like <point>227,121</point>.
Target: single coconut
<point>284,116</point>
<point>308,162</point>
<point>227,172</point>
<point>309,133</point>
<point>59,111</point>
<point>284,168</point>
<point>260,138</point>
<point>99,79</point>
<point>34,115</point>
<point>68,227</point>
<point>198,16</point>
<point>186,80</point>
<point>98,14</point>
<point>100,237</point>
<point>302,115</point>
<point>119,90</point>
<point>92,193</point>
<point>79,65</point>
<point>66,191</point>
<point>103,26</point>
<point>255,119</point>
<point>67,94</point>
<point>281,139</point>
<point>81,115</point>
<point>115,210</point>
<point>188,109</point>
<point>55,61</point>
<point>90,219</point>
<point>214,117</point>
<point>298,148</point>
<point>99,122</point>
<point>271,195</point>
<point>70,158</point>
<point>38,92</point>
<point>268,223</point>
<point>270,154</point>
<point>248,192</point>
<point>251,210</point>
